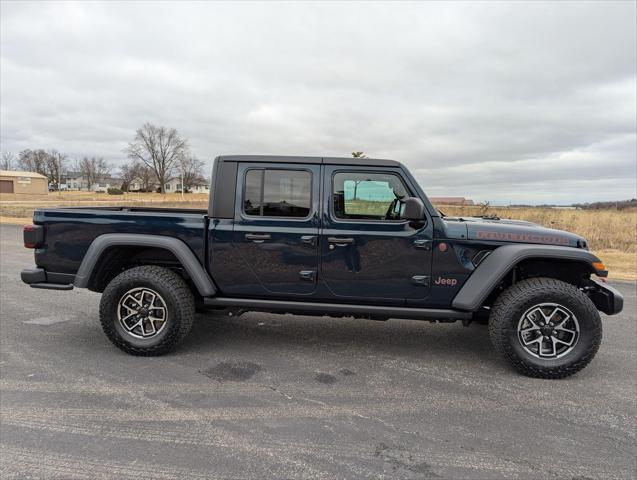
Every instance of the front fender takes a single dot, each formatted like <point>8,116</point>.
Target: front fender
<point>499,263</point>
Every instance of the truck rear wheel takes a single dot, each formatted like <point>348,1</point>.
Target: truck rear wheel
<point>147,310</point>
<point>545,328</point>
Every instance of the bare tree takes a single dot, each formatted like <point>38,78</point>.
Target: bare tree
<point>158,148</point>
<point>128,174</point>
<point>93,169</point>
<point>27,161</point>
<point>136,171</point>
<point>33,161</point>
<point>88,172</point>
<point>7,160</point>
<point>191,171</point>
<point>56,161</point>
<point>146,177</point>
<point>484,207</point>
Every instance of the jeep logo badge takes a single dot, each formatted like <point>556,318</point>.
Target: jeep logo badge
<point>447,282</point>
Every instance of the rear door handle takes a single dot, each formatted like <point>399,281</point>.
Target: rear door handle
<point>258,237</point>
<point>307,275</point>
<point>340,242</point>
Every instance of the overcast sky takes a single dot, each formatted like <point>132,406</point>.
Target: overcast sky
<point>506,102</point>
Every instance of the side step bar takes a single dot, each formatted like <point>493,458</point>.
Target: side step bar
<point>314,308</point>
<point>52,286</point>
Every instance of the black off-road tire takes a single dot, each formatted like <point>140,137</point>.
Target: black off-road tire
<point>180,309</point>
<point>517,299</point>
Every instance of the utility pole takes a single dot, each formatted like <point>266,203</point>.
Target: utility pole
<point>59,176</point>
<point>182,182</point>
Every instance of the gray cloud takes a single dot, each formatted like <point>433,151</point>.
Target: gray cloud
<point>505,102</point>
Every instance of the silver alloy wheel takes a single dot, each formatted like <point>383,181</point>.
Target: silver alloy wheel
<point>548,331</point>
<point>142,312</point>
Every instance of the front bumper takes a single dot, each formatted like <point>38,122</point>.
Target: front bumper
<point>39,278</point>
<point>606,298</point>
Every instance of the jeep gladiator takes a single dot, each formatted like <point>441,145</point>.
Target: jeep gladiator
<point>342,237</point>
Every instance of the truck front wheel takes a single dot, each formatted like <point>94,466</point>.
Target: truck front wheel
<point>147,310</point>
<point>545,328</point>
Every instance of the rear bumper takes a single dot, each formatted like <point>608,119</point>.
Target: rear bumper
<point>606,298</point>
<point>40,278</point>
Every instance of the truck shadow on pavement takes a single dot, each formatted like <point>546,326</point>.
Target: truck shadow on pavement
<point>399,338</point>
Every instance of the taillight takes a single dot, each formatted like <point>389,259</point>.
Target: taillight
<point>33,236</point>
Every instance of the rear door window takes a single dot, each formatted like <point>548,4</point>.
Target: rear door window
<point>277,193</point>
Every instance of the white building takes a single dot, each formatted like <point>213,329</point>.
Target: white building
<point>77,181</point>
<point>105,183</point>
<point>174,185</point>
<point>73,181</point>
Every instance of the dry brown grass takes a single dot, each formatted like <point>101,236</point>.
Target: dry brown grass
<point>15,220</point>
<point>13,205</point>
<point>77,196</point>
<point>620,265</point>
<point>611,234</point>
<point>604,229</point>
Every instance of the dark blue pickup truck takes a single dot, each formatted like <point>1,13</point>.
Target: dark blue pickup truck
<point>327,236</point>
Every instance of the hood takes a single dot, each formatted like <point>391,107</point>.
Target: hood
<point>510,231</point>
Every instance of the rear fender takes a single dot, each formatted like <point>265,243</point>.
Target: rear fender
<point>182,252</point>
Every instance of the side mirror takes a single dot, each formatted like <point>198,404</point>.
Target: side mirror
<point>414,209</point>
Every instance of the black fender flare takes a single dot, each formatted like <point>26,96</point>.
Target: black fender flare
<point>499,263</point>
<point>182,252</point>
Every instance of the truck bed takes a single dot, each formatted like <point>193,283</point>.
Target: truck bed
<point>68,232</point>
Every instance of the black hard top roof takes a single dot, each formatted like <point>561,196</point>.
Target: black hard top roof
<point>314,160</point>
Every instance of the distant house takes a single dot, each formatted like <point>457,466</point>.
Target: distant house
<point>174,185</point>
<point>171,186</point>
<point>201,188</point>
<point>460,201</point>
<point>106,182</point>
<point>23,183</point>
<point>73,181</point>
<point>76,181</point>
<point>136,185</point>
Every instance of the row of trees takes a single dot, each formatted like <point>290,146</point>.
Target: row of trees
<point>54,165</point>
<point>156,154</point>
<point>189,171</point>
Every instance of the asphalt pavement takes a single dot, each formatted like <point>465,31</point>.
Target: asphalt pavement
<point>265,396</point>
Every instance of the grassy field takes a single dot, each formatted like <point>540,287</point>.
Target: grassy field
<point>611,234</point>
<point>604,229</point>
<point>22,206</point>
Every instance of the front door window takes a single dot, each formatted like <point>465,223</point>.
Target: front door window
<point>368,196</point>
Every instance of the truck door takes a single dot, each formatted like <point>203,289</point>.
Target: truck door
<point>276,228</point>
<point>368,250</point>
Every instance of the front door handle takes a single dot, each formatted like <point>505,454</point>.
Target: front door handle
<point>309,240</point>
<point>258,237</point>
<point>340,242</point>
<point>420,280</point>
<point>422,243</point>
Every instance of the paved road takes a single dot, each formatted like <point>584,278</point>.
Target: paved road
<point>267,396</point>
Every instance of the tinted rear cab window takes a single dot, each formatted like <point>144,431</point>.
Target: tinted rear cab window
<point>277,193</point>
